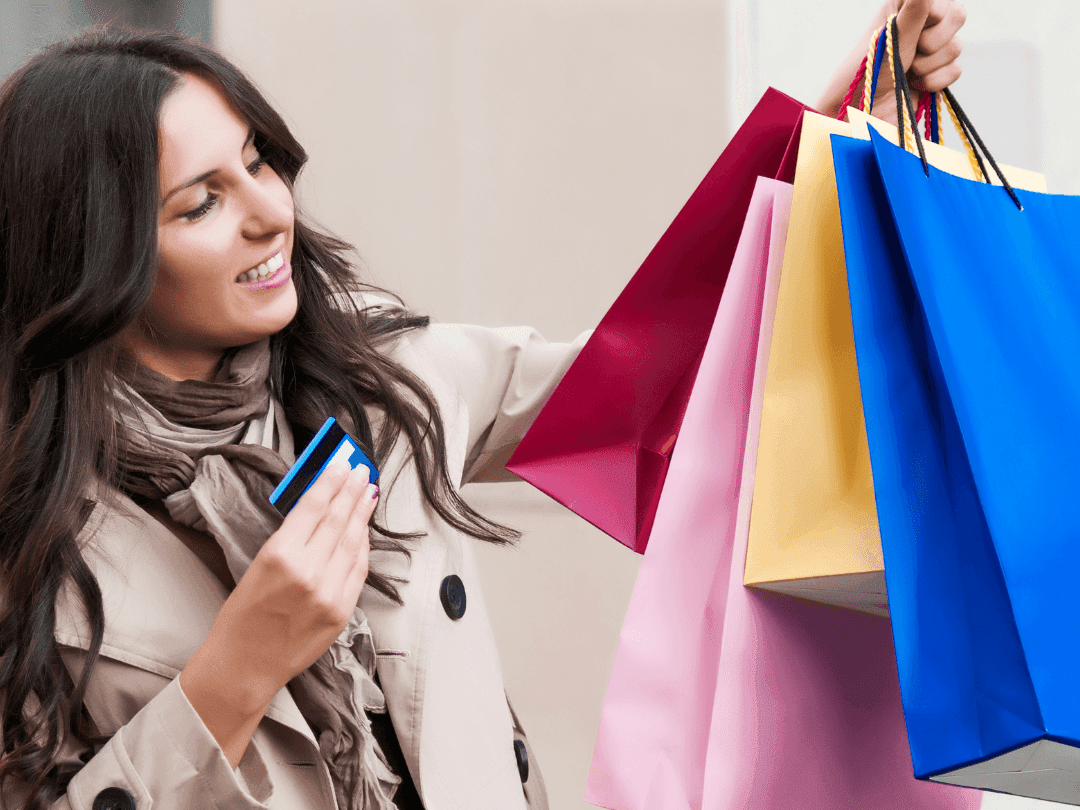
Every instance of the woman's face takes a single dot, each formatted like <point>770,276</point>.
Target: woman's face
<point>225,236</point>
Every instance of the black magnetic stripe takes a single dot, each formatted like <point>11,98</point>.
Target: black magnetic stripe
<point>314,463</point>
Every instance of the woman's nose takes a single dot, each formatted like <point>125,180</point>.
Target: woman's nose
<point>269,208</point>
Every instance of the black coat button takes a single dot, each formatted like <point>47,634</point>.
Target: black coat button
<point>113,798</point>
<point>452,594</point>
<point>522,757</point>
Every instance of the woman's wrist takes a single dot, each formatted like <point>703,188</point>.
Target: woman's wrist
<point>230,703</point>
<point>832,96</point>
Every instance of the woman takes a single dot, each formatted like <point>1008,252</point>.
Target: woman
<point>173,331</point>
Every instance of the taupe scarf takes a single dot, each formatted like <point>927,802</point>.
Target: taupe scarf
<point>213,452</point>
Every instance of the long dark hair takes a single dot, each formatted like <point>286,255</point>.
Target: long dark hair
<point>78,260</point>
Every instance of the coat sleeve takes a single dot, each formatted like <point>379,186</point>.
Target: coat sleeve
<point>504,376</point>
<point>163,758</point>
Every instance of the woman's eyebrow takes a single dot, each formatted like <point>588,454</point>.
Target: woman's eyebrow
<point>194,181</point>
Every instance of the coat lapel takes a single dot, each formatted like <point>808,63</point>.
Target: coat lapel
<point>159,599</point>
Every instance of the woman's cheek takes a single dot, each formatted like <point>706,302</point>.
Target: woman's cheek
<point>203,258</point>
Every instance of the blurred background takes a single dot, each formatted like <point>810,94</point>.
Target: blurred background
<point>513,161</point>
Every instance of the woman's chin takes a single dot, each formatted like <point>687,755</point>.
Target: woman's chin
<point>274,315</point>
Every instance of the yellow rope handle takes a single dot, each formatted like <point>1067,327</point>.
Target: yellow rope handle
<point>868,81</point>
<point>902,118</point>
<point>963,137</point>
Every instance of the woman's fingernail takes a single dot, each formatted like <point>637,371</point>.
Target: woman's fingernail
<point>374,491</point>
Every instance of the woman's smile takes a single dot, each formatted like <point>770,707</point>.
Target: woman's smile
<point>274,272</point>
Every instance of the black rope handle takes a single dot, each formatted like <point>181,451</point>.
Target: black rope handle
<point>965,126</point>
<point>900,80</point>
<point>970,128</point>
<point>903,89</point>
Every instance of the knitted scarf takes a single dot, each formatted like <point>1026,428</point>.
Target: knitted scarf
<point>213,452</point>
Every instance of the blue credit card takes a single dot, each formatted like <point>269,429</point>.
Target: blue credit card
<point>330,443</point>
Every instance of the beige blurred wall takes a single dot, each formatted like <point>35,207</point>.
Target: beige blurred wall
<point>506,162</point>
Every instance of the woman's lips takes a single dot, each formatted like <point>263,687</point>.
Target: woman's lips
<point>279,277</point>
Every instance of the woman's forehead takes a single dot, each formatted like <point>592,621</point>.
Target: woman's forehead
<point>198,130</point>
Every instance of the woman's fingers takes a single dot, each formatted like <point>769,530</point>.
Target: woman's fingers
<point>911,19</point>
<point>936,65</point>
<point>328,533</point>
<point>927,27</point>
<point>309,510</point>
<point>349,564</point>
<point>946,55</point>
<point>929,47</point>
<point>941,30</point>
<point>938,80</point>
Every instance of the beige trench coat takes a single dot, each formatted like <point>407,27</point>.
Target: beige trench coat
<point>441,676</point>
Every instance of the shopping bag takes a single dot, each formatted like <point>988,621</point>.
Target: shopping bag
<point>602,443</point>
<point>812,527</point>
<point>813,530</point>
<point>966,311</point>
<point>722,698</point>
<point>654,724</point>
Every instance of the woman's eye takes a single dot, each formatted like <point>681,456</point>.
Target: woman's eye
<point>198,213</point>
<point>203,209</point>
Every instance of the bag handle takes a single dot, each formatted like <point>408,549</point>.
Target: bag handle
<point>960,118</point>
<point>904,110</point>
<point>882,49</point>
<point>929,103</point>
<point>875,57</point>
<point>929,109</point>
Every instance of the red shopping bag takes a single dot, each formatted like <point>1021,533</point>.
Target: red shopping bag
<point>602,443</point>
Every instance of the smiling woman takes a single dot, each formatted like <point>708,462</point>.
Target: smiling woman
<point>172,330</point>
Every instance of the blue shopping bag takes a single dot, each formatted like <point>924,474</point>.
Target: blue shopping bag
<point>966,314</point>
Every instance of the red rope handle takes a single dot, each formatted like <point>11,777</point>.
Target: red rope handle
<point>924,111</point>
<point>859,76</point>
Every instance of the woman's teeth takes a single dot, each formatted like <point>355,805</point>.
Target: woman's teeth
<point>263,271</point>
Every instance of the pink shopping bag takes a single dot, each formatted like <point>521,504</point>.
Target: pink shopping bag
<point>721,698</point>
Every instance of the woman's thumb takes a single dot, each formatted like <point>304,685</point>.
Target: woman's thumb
<point>910,21</point>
